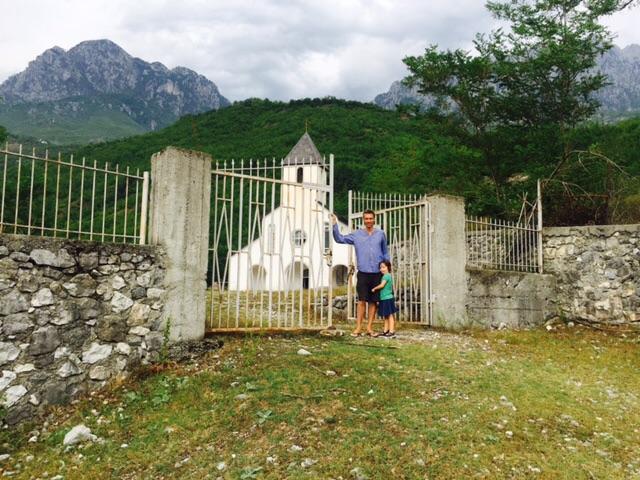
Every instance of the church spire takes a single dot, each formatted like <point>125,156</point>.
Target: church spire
<point>304,153</point>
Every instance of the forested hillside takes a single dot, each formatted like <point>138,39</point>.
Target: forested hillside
<point>388,151</point>
<point>365,140</point>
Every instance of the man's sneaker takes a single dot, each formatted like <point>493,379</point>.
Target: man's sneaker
<point>391,335</point>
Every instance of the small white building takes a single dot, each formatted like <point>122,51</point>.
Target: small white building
<point>296,249</point>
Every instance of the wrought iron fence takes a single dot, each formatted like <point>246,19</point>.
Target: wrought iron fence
<point>44,196</point>
<point>405,220</point>
<point>504,245</point>
<point>269,245</point>
<point>501,245</point>
<point>360,201</point>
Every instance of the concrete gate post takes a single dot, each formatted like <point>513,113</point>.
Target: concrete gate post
<point>448,260</point>
<point>179,221</point>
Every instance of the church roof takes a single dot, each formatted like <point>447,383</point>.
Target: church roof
<point>304,153</point>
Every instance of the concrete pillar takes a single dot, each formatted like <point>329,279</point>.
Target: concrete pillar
<point>179,221</point>
<point>448,260</point>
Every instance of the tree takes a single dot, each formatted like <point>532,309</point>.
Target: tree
<point>521,81</point>
<point>464,90</point>
<point>545,64</point>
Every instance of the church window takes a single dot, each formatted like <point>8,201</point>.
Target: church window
<point>327,235</point>
<point>299,237</point>
<point>300,175</point>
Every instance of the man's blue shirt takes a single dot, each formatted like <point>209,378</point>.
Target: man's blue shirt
<point>370,249</point>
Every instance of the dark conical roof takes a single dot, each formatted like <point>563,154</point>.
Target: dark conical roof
<point>304,153</point>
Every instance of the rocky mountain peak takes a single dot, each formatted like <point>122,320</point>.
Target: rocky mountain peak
<point>621,65</point>
<point>149,93</point>
<point>90,68</point>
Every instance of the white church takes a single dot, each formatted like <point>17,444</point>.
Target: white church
<point>296,249</point>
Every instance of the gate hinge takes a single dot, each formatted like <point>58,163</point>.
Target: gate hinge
<point>328,255</point>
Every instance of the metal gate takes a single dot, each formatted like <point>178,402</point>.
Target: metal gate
<point>270,250</point>
<point>406,220</point>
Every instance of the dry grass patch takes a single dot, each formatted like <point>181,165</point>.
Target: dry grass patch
<point>525,404</point>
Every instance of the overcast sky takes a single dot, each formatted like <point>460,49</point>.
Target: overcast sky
<point>276,49</point>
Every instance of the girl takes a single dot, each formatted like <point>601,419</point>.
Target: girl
<point>387,305</point>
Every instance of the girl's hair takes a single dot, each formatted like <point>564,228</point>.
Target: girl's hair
<point>388,264</point>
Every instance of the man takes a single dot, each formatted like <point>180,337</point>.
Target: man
<point>371,249</point>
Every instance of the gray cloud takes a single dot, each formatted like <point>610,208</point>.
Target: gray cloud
<point>277,49</point>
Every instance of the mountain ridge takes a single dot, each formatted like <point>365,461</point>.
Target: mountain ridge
<point>150,94</point>
<point>622,97</point>
<point>97,92</point>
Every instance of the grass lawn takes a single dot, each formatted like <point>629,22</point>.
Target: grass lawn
<point>560,404</point>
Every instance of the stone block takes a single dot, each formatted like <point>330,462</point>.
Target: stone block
<point>12,301</point>
<point>134,340</point>
<point>88,261</point>
<point>28,283</point>
<point>111,328</point>
<point>118,283</point>
<point>96,353</point>
<point>44,340</point>
<point>8,269</point>
<point>42,298</point>
<point>100,372</point>
<point>47,258</point>
<point>6,379</point>
<point>88,308</point>
<point>75,335</point>
<point>144,280</point>
<point>138,293</point>
<point>13,395</point>
<point>17,324</point>
<point>27,367</point>
<point>154,341</point>
<point>140,331</point>
<point>139,315</point>
<point>156,293</point>
<point>120,303</point>
<point>108,269</point>
<point>82,285</point>
<point>19,257</point>
<point>123,348</point>
<point>54,392</point>
<point>64,314</point>
<point>69,369</point>
<point>52,273</point>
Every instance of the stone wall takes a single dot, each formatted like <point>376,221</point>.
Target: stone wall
<point>597,270</point>
<point>500,299</point>
<point>73,315</point>
<point>591,274</point>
